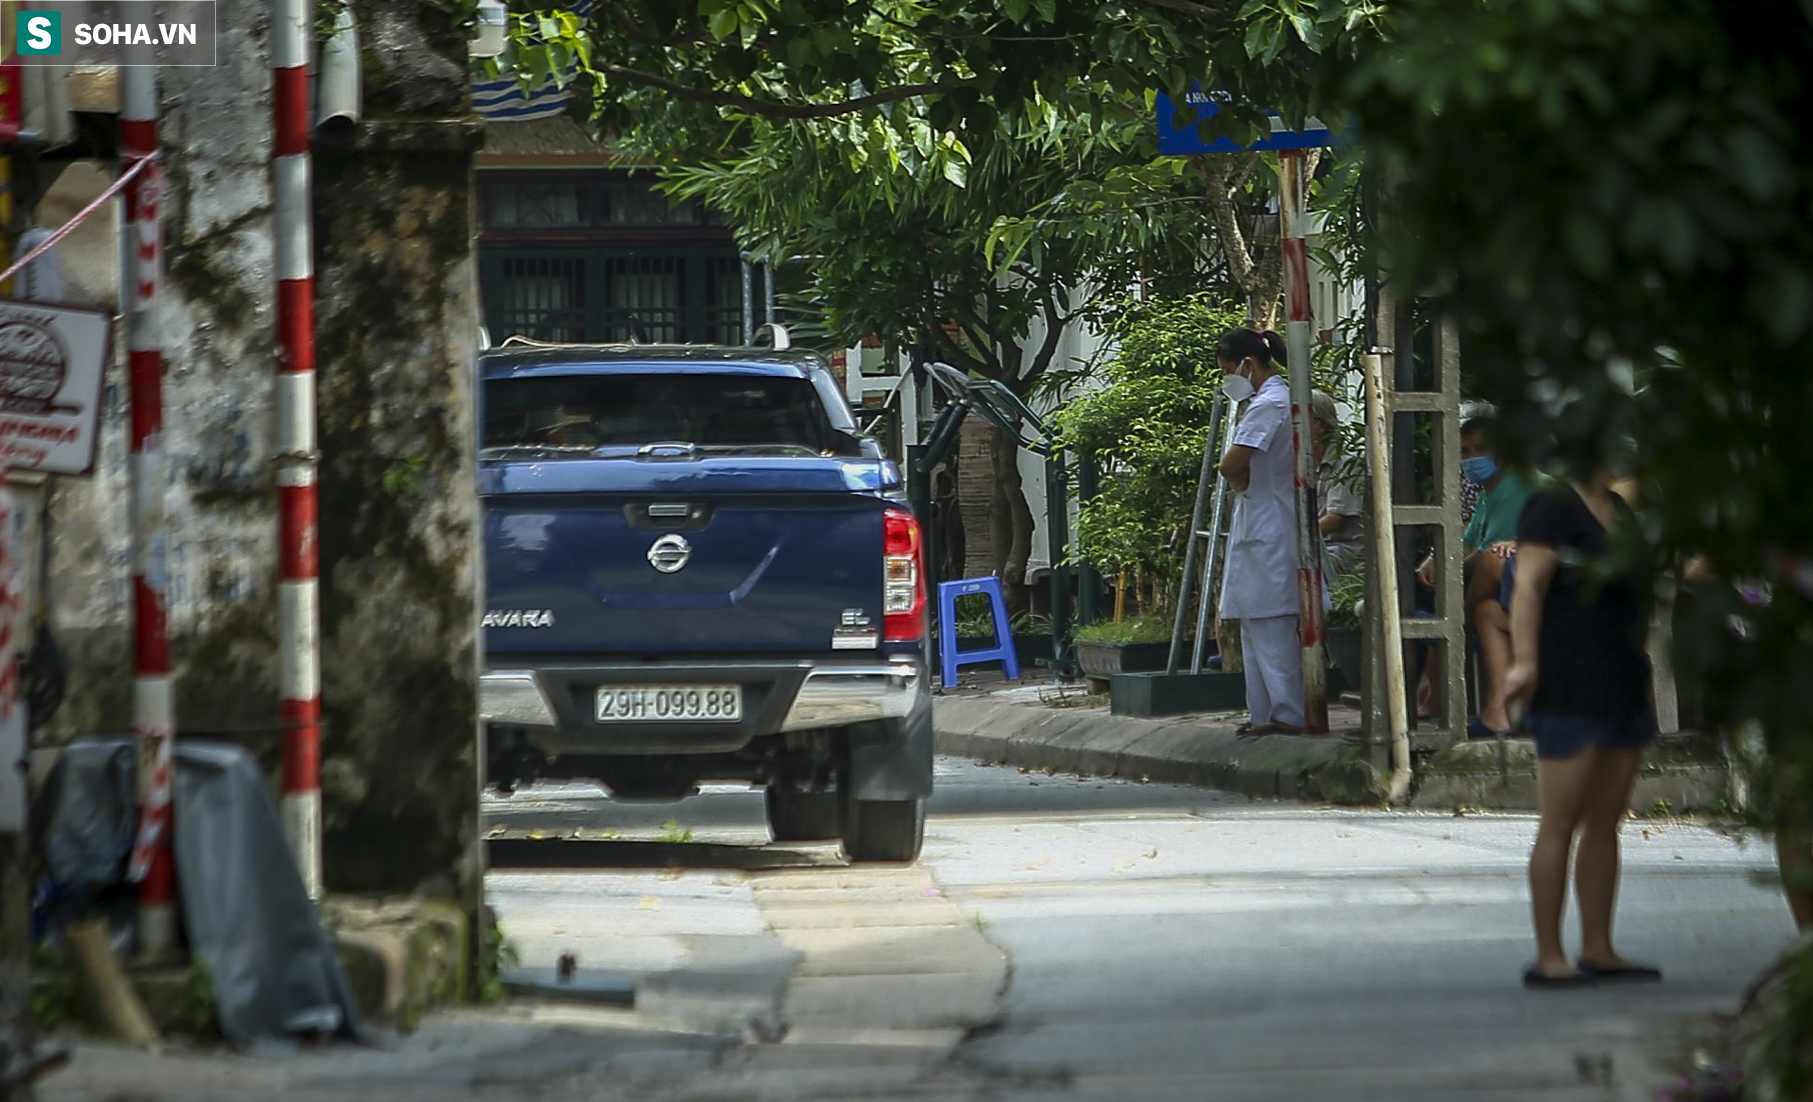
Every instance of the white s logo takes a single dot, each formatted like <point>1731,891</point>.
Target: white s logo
<point>37,33</point>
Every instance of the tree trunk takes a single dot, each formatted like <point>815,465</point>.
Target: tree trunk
<point>976,489</point>
<point>1013,522</point>
<point>1257,265</point>
<point>1227,637</point>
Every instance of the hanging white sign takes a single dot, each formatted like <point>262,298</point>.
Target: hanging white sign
<point>51,358</point>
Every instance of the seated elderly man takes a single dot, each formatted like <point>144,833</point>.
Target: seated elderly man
<point>1490,545</point>
<point>1340,495</point>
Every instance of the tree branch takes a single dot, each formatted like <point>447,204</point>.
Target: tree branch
<point>954,353</point>
<point>775,108</point>
<point>635,33</point>
<point>1239,180</point>
<point>987,34</point>
<point>1194,11</point>
<point>1048,348</point>
<point>1227,226</point>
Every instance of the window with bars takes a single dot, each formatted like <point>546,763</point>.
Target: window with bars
<point>600,256</point>
<point>588,294</point>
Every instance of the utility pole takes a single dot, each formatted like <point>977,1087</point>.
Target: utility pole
<point>1292,228</point>
<point>153,695</point>
<point>298,579</point>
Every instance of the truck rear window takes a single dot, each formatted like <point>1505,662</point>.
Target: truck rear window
<point>729,411</point>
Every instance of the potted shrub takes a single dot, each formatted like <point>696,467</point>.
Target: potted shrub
<point>1133,645</point>
<point>1345,637</point>
<point>1145,430</point>
<point>975,628</point>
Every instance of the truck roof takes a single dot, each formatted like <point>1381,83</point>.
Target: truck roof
<point>562,359</point>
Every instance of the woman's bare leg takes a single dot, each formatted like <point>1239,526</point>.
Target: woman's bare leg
<point>1794,852</point>
<point>1562,787</point>
<point>1596,865</point>
<point>1492,627</point>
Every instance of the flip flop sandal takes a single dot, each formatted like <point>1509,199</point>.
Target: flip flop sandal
<point>1478,728</point>
<point>1269,729</point>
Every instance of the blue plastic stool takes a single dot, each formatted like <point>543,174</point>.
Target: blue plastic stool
<point>949,655</point>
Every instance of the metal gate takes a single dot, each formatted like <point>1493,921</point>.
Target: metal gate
<point>592,294</point>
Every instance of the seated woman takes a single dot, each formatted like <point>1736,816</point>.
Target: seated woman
<point>1342,500</point>
<point>1489,541</point>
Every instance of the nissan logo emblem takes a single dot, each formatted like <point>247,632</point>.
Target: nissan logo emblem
<point>670,553</point>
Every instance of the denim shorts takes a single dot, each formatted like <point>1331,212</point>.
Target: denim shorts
<point>1560,735</point>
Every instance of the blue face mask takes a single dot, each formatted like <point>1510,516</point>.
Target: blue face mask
<point>1478,469</point>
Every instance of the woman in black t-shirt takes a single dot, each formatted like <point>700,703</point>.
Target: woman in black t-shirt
<point>1578,662</point>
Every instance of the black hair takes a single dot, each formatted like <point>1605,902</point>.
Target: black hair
<point>1484,425</point>
<point>1238,344</point>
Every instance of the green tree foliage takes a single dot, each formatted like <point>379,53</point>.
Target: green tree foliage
<point>1146,428</point>
<point>1613,198</point>
<point>890,218</point>
<point>971,62</point>
<point>899,144</point>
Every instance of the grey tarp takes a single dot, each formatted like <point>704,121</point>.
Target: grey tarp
<point>245,911</point>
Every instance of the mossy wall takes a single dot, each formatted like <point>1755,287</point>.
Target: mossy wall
<point>218,338</point>
<point>396,330</point>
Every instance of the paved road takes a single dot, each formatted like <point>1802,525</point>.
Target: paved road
<point>1162,938</point>
<point>1282,952</point>
<point>1062,938</point>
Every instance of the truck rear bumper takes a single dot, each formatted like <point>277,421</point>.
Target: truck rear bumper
<point>829,695</point>
<point>837,696</point>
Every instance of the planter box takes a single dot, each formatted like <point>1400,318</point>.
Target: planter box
<point>1346,649</point>
<point>1167,694</point>
<point>1101,661</point>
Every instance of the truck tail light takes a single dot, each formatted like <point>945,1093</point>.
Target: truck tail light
<point>903,577</point>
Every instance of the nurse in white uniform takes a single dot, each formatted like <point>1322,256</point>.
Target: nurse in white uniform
<point>1259,581</point>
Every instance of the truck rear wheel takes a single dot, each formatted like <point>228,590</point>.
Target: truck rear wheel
<point>795,816</point>
<point>884,830</point>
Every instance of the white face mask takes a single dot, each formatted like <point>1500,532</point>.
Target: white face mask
<point>1237,387</point>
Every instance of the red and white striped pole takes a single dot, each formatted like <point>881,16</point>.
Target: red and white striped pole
<point>299,612</point>
<point>153,707</point>
<point>1292,228</point>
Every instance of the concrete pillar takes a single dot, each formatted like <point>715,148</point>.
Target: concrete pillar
<point>396,333</point>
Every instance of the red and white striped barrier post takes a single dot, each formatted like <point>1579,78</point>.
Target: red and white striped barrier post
<point>1292,219</point>
<point>153,707</point>
<point>299,613</point>
<point>12,718</point>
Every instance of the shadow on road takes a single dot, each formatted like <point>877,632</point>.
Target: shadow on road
<point>566,853</point>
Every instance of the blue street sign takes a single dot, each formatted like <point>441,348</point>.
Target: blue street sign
<point>1173,139</point>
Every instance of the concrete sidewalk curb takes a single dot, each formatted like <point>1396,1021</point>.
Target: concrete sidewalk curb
<point>1174,751</point>
<point>1681,772</point>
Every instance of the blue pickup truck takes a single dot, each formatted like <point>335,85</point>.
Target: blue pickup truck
<point>697,570</point>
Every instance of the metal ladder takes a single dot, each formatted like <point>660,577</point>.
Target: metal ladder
<point>1203,541</point>
<point>1397,329</point>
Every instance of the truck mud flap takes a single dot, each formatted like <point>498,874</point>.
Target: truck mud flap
<point>893,762</point>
